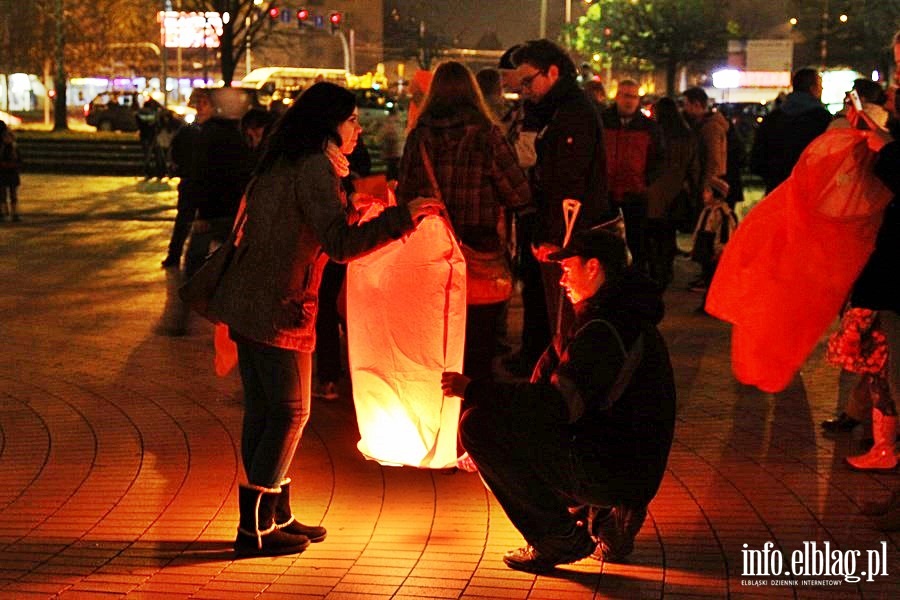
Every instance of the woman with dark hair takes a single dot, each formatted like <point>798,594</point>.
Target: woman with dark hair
<point>296,218</point>
<point>477,176</point>
<point>675,188</point>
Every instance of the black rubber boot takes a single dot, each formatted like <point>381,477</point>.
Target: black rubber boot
<point>257,534</point>
<point>285,521</point>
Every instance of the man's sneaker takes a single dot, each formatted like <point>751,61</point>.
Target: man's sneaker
<point>615,532</point>
<point>841,423</point>
<point>326,391</point>
<point>532,560</point>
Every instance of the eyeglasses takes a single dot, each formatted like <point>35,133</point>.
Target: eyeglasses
<point>529,79</point>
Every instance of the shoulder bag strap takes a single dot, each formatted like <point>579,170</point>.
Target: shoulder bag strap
<point>629,366</point>
<point>237,229</point>
<point>429,170</point>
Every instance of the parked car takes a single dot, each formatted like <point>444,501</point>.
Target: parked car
<point>113,111</point>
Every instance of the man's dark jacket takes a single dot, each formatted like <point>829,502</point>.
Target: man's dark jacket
<point>223,169</point>
<point>629,441</point>
<point>571,161</point>
<point>784,134</point>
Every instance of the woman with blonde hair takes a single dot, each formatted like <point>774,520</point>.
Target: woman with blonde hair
<point>457,153</point>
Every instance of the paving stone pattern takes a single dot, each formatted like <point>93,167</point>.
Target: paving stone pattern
<point>119,451</point>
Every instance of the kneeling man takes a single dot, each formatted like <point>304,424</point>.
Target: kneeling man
<point>575,456</point>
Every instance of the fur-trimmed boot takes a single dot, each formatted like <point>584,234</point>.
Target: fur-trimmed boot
<point>615,531</point>
<point>882,456</point>
<point>257,533</point>
<point>285,521</point>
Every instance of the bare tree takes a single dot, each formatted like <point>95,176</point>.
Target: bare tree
<point>245,21</point>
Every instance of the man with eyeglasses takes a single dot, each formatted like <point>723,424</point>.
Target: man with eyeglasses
<point>571,164</point>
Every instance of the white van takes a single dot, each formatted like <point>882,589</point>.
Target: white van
<point>281,84</point>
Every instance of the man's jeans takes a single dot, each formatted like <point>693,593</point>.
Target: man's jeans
<point>277,392</point>
<point>528,464</point>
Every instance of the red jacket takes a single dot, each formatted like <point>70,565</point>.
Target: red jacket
<point>632,154</point>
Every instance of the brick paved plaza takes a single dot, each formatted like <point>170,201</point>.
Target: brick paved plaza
<point>119,452</point>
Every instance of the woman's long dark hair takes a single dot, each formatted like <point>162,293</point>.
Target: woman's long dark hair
<point>453,90</point>
<point>670,120</point>
<point>308,124</point>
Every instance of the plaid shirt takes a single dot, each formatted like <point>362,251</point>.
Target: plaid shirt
<point>476,170</point>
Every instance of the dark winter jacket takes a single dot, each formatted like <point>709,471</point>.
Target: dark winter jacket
<point>784,134</point>
<point>629,438</point>
<point>571,162</point>
<point>680,175</point>
<point>633,155</point>
<point>185,155</point>
<point>223,169</point>
<point>296,214</point>
<point>10,162</point>
<point>876,287</point>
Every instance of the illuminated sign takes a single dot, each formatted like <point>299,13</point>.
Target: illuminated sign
<point>190,29</point>
<point>732,78</point>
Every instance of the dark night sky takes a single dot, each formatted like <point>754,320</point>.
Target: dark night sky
<point>513,20</point>
<point>517,20</point>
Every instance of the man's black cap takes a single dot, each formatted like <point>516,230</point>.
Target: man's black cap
<point>597,243</point>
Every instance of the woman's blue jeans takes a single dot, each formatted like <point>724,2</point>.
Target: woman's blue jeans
<point>277,393</point>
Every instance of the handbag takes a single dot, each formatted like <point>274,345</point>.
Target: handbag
<point>858,345</point>
<point>489,278</point>
<point>197,291</point>
<point>706,239</point>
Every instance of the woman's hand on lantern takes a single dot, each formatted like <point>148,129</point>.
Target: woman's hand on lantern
<point>424,207</point>
<point>454,384</point>
<point>363,201</point>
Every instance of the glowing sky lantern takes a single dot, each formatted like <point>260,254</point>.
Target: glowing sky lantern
<point>406,307</point>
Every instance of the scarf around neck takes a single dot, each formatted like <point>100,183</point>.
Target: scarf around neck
<point>339,162</point>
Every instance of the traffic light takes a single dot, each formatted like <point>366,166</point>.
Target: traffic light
<point>274,13</point>
<point>302,16</point>
<point>335,19</point>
